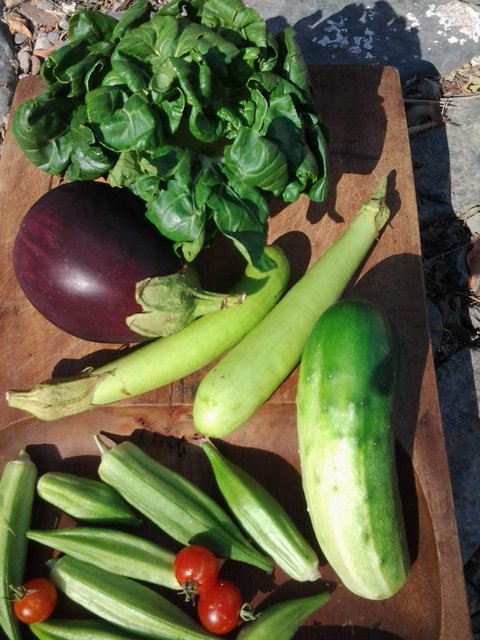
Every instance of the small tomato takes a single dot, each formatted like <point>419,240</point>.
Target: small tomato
<point>35,600</point>
<point>196,569</point>
<point>219,607</point>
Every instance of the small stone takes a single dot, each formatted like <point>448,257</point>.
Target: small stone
<point>42,42</point>
<point>20,38</point>
<point>63,23</point>
<point>35,65</point>
<point>53,37</point>
<point>24,58</point>
<point>46,5</point>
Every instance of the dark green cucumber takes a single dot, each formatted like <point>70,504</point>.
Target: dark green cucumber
<point>345,398</point>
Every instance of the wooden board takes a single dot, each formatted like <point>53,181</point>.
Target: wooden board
<point>363,109</point>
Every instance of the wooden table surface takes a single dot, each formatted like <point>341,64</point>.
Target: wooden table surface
<point>363,109</point>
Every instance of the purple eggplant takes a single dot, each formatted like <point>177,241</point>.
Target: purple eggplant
<point>79,253</point>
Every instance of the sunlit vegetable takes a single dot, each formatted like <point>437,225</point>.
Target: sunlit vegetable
<point>198,109</point>
<point>79,253</point>
<point>35,601</point>
<point>236,386</point>
<point>164,360</point>
<point>17,490</point>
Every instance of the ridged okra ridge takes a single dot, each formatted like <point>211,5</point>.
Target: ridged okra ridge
<point>177,506</point>
<point>263,518</point>
<point>73,629</point>
<point>282,620</point>
<point>113,550</point>
<point>85,499</point>
<point>123,601</point>
<point>17,491</point>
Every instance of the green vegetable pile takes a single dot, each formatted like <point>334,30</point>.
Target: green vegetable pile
<point>197,109</point>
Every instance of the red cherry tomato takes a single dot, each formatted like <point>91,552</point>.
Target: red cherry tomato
<point>196,569</point>
<point>219,607</point>
<point>37,602</point>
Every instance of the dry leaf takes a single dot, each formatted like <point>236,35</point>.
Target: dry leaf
<point>17,24</point>
<point>473,263</point>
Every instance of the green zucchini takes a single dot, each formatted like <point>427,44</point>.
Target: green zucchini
<point>345,398</point>
<point>237,385</point>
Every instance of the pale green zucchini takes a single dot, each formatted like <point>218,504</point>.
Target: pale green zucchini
<point>345,398</point>
<point>243,379</point>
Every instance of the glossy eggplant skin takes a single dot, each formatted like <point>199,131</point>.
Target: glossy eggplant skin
<point>78,254</point>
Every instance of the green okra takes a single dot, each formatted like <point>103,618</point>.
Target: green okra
<point>282,620</point>
<point>263,518</point>
<point>65,629</point>
<point>116,551</point>
<point>124,602</point>
<point>85,499</point>
<point>176,505</point>
<point>17,491</point>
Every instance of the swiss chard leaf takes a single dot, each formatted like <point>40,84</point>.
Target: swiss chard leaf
<point>42,129</point>
<point>257,161</point>
<point>121,121</point>
<point>196,108</point>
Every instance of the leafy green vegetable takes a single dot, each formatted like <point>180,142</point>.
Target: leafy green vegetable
<point>196,108</point>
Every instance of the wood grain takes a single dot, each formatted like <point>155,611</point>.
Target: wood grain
<point>363,109</point>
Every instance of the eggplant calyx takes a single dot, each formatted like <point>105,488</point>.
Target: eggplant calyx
<point>56,398</point>
<point>170,303</point>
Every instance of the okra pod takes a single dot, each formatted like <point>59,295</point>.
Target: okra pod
<point>177,506</point>
<point>85,499</point>
<point>115,551</point>
<point>97,629</point>
<point>17,491</point>
<point>282,620</point>
<point>123,601</point>
<point>263,518</point>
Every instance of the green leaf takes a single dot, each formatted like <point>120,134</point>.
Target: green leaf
<point>123,122</point>
<point>88,160</point>
<point>42,129</point>
<point>136,14</point>
<point>196,107</point>
<point>91,26</point>
<point>294,66</point>
<point>173,209</point>
<point>257,161</point>
<point>131,72</point>
<point>236,18</point>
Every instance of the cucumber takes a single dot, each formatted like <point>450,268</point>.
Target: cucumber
<point>345,398</point>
